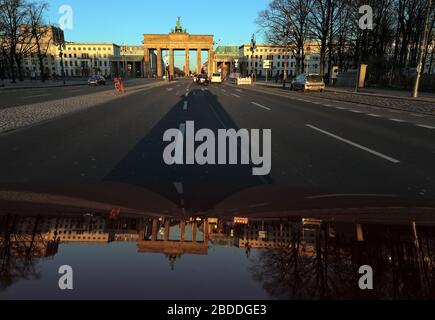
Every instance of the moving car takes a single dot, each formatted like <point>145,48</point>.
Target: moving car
<point>203,80</point>
<point>308,82</point>
<point>216,78</point>
<point>97,81</point>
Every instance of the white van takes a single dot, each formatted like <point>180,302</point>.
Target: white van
<point>216,78</point>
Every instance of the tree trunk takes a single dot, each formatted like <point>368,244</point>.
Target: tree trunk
<point>19,69</point>
<point>41,61</point>
<point>12,64</point>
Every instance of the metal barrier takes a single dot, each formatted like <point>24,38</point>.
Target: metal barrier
<point>244,81</point>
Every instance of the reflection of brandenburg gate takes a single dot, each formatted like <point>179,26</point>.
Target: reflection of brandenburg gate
<point>175,247</point>
<point>178,39</point>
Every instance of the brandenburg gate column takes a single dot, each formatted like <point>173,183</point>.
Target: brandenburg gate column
<point>198,61</point>
<point>147,62</point>
<point>187,62</point>
<point>159,63</point>
<point>210,61</point>
<point>171,63</point>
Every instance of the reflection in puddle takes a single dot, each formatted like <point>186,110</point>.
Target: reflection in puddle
<point>118,256</point>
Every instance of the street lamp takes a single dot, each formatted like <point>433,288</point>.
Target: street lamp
<point>253,47</point>
<point>285,34</point>
<point>61,43</point>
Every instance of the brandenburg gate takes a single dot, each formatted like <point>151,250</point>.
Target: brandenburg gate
<point>178,39</point>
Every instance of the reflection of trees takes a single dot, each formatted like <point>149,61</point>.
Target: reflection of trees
<point>328,269</point>
<point>20,249</point>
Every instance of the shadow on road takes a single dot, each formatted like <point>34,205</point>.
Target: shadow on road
<point>202,186</point>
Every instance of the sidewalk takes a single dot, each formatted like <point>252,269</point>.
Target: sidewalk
<point>37,84</point>
<point>384,93</point>
<point>382,98</point>
<point>29,114</point>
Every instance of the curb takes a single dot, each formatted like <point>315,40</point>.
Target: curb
<point>41,87</point>
<point>332,90</point>
<point>253,88</point>
<point>429,100</point>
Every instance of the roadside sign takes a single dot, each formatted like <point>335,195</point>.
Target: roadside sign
<point>267,64</point>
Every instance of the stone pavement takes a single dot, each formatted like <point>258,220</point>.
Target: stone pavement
<point>392,99</point>
<point>25,115</point>
<point>36,84</point>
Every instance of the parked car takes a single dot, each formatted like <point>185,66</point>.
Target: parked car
<point>203,80</point>
<point>308,82</point>
<point>97,81</point>
<point>216,78</point>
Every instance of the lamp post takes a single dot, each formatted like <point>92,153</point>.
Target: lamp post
<point>61,43</point>
<point>253,47</point>
<point>285,34</point>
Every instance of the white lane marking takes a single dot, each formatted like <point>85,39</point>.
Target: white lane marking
<point>179,187</point>
<point>327,105</point>
<point>259,205</point>
<point>318,103</point>
<point>217,116</point>
<point>145,93</point>
<point>36,96</point>
<point>374,115</point>
<point>169,89</point>
<point>417,115</point>
<point>351,195</point>
<point>340,108</point>
<point>235,95</point>
<point>238,90</point>
<point>356,145</point>
<point>187,94</point>
<point>185,105</point>
<point>355,111</point>
<point>261,106</point>
<point>179,146</point>
<point>425,126</point>
<point>397,120</point>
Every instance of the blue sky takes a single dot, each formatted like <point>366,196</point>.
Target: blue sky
<point>124,21</point>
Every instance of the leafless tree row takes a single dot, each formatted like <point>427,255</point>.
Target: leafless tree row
<point>390,48</point>
<point>22,33</point>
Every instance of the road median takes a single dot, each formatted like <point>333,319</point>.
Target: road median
<point>425,106</point>
<point>26,115</point>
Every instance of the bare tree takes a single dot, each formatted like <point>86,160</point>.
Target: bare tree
<point>13,15</point>
<point>286,22</point>
<point>41,35</point>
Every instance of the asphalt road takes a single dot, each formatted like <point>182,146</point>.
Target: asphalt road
<point>317,145</point>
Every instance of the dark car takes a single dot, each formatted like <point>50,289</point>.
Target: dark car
<point>97,81</point>
<point>203,80</point>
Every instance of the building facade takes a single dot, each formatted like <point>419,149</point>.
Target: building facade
<point>48,38</point>
<point>85,59</point>
<point>282,59</point>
